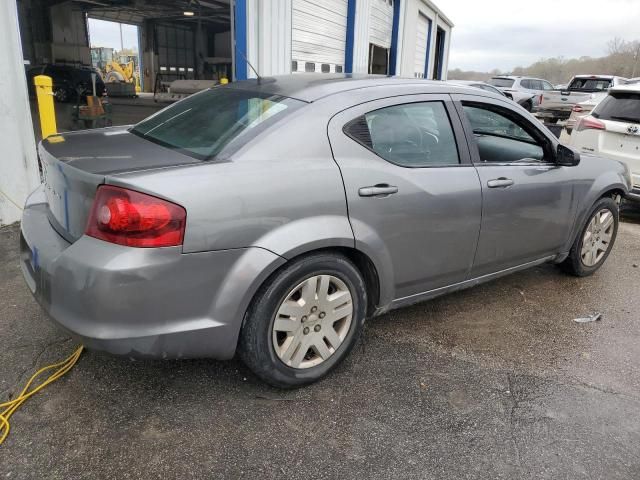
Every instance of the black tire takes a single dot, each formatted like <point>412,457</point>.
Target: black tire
<point>528,106</point>
<point>61,95</point>
<point>256,345</point>
<point>574,264</point>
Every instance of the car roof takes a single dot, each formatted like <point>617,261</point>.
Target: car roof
<point>605,77</point>
<point>310,87</point>
<point>468,82</point>
<point>630,88</point>
<point>519,77</point>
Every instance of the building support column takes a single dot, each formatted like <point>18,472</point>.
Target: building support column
<point>268,36</point>
<point>19,174</point>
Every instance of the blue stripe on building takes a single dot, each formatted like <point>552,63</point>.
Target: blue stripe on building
<point>240,16</point>
<point>393,54</point>
<point>351,25</point>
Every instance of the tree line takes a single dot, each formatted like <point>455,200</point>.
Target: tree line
<point>622,59</point>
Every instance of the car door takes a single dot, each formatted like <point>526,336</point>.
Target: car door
<point>527,205</point>
<point>413,196</point>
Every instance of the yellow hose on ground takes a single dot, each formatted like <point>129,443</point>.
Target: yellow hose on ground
<point>11,406</point>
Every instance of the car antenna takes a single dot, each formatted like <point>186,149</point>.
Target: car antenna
<point>249,63</point>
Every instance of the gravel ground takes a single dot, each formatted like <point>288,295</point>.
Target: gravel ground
<point>493,382</point>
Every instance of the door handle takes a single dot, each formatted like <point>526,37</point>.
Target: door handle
<point>380,190</point>
<point>501,182</point>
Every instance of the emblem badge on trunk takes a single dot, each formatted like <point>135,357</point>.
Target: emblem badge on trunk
<point>633,129</point>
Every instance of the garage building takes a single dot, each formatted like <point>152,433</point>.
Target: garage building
<point>208,40</point>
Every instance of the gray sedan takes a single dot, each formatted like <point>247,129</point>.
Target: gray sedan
<point>272,217</point>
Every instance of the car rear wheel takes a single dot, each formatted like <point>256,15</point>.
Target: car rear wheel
<point>61,94</point>
<point>593,245</point>
<point>304,321</point>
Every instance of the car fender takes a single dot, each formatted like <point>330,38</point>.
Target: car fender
<point>333,231</point>
<point>588,194</point>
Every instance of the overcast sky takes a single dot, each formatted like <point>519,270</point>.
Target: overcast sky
<point>107,34</point>
<point>505,34</point>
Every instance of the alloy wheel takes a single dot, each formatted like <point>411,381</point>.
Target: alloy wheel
<point>596,241</point>
<point>312,321</point>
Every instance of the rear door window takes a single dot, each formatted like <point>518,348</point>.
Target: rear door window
<point>501,82</point>
<point>621,107</point>
<point>409,135</point>
<point>590,84</point>
<point>536,85</point>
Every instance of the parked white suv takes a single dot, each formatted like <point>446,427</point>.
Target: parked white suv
<point>526,91</point>
<point>613,130</point>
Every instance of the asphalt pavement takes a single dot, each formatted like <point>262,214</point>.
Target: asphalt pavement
<point>493,382</point>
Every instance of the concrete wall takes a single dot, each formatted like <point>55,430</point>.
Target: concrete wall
<point>18,165</point>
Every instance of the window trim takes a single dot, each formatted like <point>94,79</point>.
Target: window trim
<point>456,128</point>
<point>549,147</point>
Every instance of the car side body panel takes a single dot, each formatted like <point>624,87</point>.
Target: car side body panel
<point>427,232</point>
<point>267,194</point>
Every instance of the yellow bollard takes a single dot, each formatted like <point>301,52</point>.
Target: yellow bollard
<point>224,81</point>
<point>45,105</point>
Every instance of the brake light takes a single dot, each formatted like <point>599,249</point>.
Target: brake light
<point>577,108</point>
<point>135,219</point>
<point>590,123</point>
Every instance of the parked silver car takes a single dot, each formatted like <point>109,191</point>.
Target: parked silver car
<point>525,91</point>
<point>272,217</point>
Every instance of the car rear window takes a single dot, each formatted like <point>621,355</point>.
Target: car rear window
<point>502,82</point>
<point>204,123</point>
<point>590,84</point>
<point>617,106</point>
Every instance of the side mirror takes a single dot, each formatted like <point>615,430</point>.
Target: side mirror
<point>567,157</point>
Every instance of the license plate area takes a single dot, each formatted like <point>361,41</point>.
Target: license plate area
<point>626,144</point>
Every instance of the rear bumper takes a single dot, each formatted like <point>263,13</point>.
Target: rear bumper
<point>140,302</point>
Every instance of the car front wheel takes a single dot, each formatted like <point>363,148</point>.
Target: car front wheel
<point>593,245</point>
<point>305,321</point>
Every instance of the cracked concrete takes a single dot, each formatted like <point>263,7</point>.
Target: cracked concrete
<point>493,382</point>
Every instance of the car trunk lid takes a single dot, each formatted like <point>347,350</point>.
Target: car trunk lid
<point>75,164</point>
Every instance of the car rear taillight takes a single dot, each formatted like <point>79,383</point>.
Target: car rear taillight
<point>577,108</point>
<point>590,123</point>
<point>135,219</point>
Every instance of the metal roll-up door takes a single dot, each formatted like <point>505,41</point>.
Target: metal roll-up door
<point>381,23</point>
<point>422,34</point>
<point>318,35</point>
<point>174,45</point>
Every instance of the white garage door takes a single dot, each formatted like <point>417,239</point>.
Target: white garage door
<point>381,23</point>
<point>422,32</point>
<point>318,35</point>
